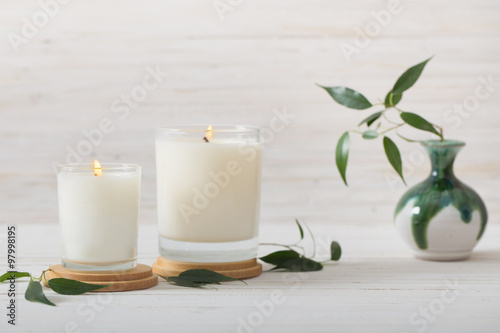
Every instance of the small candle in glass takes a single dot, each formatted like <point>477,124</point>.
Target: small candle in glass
<point>98,215</point>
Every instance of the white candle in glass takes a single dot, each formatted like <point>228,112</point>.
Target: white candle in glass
<point>208,192</point>
<point>98,215</point>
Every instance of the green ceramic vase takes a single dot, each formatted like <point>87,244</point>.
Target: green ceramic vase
<point>441,218</point>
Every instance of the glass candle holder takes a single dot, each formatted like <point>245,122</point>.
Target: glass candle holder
<point>98,215</point>
<point>208,182</point>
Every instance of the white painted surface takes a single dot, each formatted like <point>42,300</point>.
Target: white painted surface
<point>265,56</point>
<point>263,59</point>
<point>377,286</point>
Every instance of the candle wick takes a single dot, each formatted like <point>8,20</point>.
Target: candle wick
<point>206,140</point>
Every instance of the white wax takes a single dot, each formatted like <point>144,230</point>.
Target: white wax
<point>98,216</point>
<point>208,192</point>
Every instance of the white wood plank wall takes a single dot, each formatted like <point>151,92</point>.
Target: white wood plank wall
<point>264,56</point>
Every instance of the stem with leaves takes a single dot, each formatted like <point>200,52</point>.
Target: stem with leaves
<point>294,261</point>
<point>289,259</point>
<point>355,100</point>
<point>34,292</point>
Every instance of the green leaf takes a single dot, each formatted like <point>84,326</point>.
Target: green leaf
<point>279,257</point>
<point>301,264</point>
<point>394,157</point>
<point>370,135</point>
<point>196,278</point>
<point>371,119</point>
<point>392,99</point>
<point>348,97</point>
<point>14,275</point>
<point>72,287</point>
<point>300,229</point>
<point>34,293</point>
<point>418,122</point>
<point>205,276</point>
<point>342,154</point>
<point>408,78</point>
<point>336,251</point>
<point>184,283</point>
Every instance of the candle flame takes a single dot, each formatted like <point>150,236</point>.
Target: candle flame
<point>209,133</point>
<point>97,168</point>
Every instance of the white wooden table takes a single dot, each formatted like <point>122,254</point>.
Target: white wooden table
<point>377,286</point>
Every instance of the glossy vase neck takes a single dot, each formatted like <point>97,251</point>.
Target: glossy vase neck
<point>442,155</point>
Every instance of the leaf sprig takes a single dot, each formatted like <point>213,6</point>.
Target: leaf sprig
<point>355,100</point>
<point>197,278</point>
<point>34,292</point>
<point>289,259</point>
<point>294,261</point>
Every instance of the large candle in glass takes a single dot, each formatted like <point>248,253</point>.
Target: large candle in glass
<point>208,183</point>
<point>98,215</point>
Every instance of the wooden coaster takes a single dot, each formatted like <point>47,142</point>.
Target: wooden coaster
<point>238,269</point>
<point>140,277</point>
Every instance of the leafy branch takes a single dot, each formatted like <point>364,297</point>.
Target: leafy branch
<point>355,100</point>
<point>34,292</point>
<point>289,259</point>
<point>294,261</point>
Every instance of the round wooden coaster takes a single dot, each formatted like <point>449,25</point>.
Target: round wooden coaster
<point>140,277</point>
<point>238,269</point>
